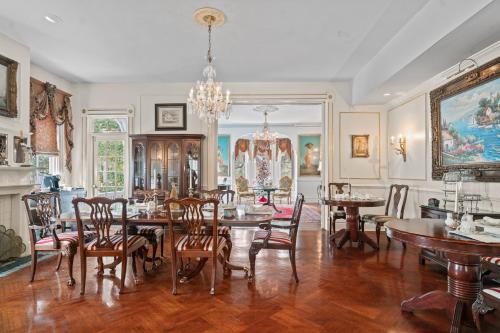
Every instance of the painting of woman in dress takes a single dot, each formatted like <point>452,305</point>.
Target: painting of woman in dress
<point>223,155</point>
<point>310,148</point>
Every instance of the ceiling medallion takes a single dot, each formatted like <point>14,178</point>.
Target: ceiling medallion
<point>206,98</point>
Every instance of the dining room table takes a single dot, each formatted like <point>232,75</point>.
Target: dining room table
<point>160,218</point>
<point>352,231</point>
<point>463,253</point>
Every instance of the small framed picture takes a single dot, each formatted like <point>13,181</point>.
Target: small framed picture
<point>360,146</point>
<point>170,117</point>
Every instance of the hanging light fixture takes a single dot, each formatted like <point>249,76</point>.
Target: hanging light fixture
<point>206,99</point>
<point>265,134</point>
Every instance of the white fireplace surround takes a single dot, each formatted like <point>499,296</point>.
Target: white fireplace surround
<point>14,183</point>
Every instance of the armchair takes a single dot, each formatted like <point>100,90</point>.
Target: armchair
<point>267,238</point>
<point>285,190</point>
<point>243,190</point>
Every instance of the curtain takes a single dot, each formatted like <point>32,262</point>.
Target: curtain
<point>49,108</point>
<point>241,146</point>
<point>284,145</point>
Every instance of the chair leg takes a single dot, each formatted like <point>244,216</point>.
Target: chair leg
<point>174,272</point>
<point>377,231</point>
<point>252,254</point>
<point>34,259</point>
<point>292,261</point>
<point>59,260</point>
<point>123,274</point>
<point>71,256</point>
<point>100,266</point>
<point>214,274</point>
<point>155,247</point>
<point>134,266</point>
<point>83,273</point>
<point>162,239</point>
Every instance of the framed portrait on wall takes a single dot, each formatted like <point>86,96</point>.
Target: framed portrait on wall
<point>465,116</point>
<point>8,87</point>
<point>170,117</point>
<point>309,155</point>
<point>223,155</point>
<point>359,145</point>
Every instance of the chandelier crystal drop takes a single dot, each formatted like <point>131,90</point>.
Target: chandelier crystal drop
<point>206,99</point>
<point>266,134</point>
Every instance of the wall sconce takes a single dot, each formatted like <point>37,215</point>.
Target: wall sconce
<point>401,150</point>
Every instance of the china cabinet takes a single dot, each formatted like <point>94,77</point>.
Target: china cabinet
<point>161,160</point>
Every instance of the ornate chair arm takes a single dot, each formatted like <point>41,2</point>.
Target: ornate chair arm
<point>281,226</point>
<point>265,226</point>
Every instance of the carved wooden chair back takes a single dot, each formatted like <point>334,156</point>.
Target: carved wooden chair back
<point>396,201</point>
<point>285,184</point>
<point>226,196</point>
<point>336,188</point>
<point>43,209</point>
<point>100,216</point>
<point>242,184</point>
<point>193,219</point>
<point>295,221</point>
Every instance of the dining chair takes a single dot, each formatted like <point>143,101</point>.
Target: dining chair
<point>195,242</point>
<point>394,209</point>
<point>243,190</point>
<point>277,240</point>
<point>120,246</point>
<point>487,300</point>
<point>335,213</point>
<point>153,233</point>
<point>44,210</point>
<point>285,190</point>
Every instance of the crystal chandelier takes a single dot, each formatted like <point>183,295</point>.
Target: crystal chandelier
<point>265,134</point>
<point>206,98</point>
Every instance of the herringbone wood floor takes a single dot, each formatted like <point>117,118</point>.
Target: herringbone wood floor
<point>350,290</point>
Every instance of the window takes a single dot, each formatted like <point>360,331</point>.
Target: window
<point>110,125</point>
<point>286,166</point>
<point>47,164</point>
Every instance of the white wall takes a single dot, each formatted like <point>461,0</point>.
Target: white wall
<point>413,109</point>
<point>304,185</point>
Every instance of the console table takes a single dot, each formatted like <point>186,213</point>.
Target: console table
<point>431,212</point>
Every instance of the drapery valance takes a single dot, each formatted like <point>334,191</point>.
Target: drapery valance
<point>284,145</point>
<point>241,146</point>
<point>50,107</point>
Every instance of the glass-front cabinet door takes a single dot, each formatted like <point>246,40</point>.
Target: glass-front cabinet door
<point>156,166</point>
<point>139,177</point>
<point>192,160</point>
<point>173,165</point>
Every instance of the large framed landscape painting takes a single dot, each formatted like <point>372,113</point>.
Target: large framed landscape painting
<point>223,155</point>
<point>309,159</point>
<point>465,116</point>
<point>8,87</point>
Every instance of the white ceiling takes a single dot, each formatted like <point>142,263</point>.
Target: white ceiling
<point>278,40</point>
<point>297,114</point>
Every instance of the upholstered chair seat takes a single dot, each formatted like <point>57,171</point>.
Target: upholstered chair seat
<point>492,260</point>
<point>201,243</point>
<point>66,240</point>
<point>276,237</point>
<point>134,242</point>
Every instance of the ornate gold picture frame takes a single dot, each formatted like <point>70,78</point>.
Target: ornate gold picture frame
<point>465,117</point>
<point>360,146</point>
<point>8,87</point>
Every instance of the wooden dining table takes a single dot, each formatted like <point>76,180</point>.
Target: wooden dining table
<point>352,232</point>
<point>161,219</point>
<point>464,267</point>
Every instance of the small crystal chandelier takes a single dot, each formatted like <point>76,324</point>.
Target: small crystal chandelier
<point>206,98</point>
<point>265,134</point>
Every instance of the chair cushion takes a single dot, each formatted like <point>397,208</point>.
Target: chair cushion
<point>133,243</point>
<point>492,260</point>
<point>282,193</point>
<point>495,292</point>
<point>200,243</point>
<point>246,194</point>
<point>66,239</point>
<point>222,230</point>
<point>377,218</point>
<point>277,237</point>
<point>147,231</point>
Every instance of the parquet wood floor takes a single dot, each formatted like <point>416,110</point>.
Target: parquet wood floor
<point>348,290</point>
